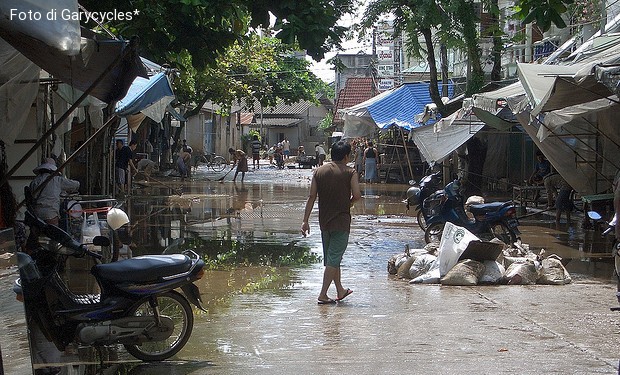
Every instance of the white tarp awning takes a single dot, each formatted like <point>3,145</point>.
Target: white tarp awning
<point>493,101</point>
<point>437,141</point>
<point>552,87</point>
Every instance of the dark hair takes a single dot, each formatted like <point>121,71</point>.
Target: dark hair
<point>339,150</point>
<point>369,143</point>
<point>133,142</point>
<point>255,137</point>
<point>231,150</point>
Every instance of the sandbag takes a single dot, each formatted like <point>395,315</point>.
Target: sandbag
<point>400,260</point>
<point>403,270</point>
<point>466,272</point>
<point>522,273</point>
<point>454,241</point>
<point>493,273</point>
<point>421,265</point>
<point>431,277</point>
<point>432,248</point>
<point>391,264</point>
<point>553,272</point>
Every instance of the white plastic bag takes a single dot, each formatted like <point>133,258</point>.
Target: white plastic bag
<point>454,241</point>
<point>90,229</point>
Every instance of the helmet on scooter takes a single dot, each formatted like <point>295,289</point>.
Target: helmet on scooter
<point>413,195</point>
<point>116,218</point>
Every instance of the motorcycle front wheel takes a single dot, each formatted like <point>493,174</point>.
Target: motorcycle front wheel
<point>433,232</point>
<point>174,306</point>
<point>218,164</point>
<point>421,220</point>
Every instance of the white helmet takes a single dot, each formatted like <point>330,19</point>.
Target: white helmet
<point>116,218</point>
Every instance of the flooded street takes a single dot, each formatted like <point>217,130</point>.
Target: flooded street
<point>265,319</point>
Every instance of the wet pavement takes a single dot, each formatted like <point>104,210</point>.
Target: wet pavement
<point>386,325</point>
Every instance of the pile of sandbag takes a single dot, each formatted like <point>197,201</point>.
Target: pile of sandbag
<point>449,264</point>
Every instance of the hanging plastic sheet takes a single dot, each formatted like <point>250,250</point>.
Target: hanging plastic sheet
<point>19,84</point>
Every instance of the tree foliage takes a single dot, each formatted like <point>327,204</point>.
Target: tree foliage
<point>259,69</point>
<point>450,22</point>
<point>543,12</point>
<point>205,28</point>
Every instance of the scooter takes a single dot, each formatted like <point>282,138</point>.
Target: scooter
<point>615,248</point>
<point>490,220</point>
<point>138,307</point>
<point>425,197</point>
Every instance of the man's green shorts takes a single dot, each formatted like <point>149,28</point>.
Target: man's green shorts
<point>334,244</point>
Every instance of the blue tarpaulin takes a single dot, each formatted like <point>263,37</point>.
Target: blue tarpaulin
<point>395,107</point>
<point>146,94</point>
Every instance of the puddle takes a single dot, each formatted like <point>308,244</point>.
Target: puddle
<point>258,223</point>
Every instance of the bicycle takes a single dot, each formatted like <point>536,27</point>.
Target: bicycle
<point>216,162</point>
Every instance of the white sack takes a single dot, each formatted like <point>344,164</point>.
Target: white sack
<point>454,241</point>
<point>493,273</point>
<point>421,265</point>
<point>553,272</point>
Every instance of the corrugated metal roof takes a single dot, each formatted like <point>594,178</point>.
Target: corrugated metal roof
<point>356,90</point>
<point>285,122</point>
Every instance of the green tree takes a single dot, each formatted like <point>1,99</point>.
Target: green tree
<point>258,70</point>
<point>205,28</point>
<point>448,22</point>
<point>543,12</point>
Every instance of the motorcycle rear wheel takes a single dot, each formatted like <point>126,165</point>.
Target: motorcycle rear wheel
<point>218,164</point>
<point>433,232</point>
<point>421,220</point>
<point>174,306</point>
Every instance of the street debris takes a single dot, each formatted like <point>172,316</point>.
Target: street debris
<point>462,259</point>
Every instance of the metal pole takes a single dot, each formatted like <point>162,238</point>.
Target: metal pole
<point>71,157</point>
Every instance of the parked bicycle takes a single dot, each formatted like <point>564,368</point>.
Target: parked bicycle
<point>213,161</point>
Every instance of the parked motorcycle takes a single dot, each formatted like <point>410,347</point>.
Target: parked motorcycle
<point>425,197</point>
<point>610,231</point>
<point>488,221</point>
<point>139,305</point>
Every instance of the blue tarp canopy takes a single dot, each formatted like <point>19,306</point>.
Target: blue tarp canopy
<point>395,107</point>
<point>150,96</point>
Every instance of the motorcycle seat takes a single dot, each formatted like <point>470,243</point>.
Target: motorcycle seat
<point>143,268</point>
<point>478,209</point>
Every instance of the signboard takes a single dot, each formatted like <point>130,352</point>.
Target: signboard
<point>386,84</point>
<point>384,40</point>
<point>385,56</point>
<point>386,70</point>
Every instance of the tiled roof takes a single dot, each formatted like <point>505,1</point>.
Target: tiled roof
<point>355,91</point>
<point>246,118</point>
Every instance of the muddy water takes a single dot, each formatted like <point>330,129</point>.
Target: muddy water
<point>266,211</point>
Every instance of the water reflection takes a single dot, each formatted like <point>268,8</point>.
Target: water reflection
<point>257,225</point>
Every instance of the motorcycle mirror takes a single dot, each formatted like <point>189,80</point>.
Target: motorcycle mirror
<point>412,182</point>
<point>593,215</point>
<point>101,241</point>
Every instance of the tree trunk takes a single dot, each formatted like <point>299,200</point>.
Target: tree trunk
<point>498,46</point>
<point>434,85</point>
<point>444,69</point>
<point>465,12</point>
